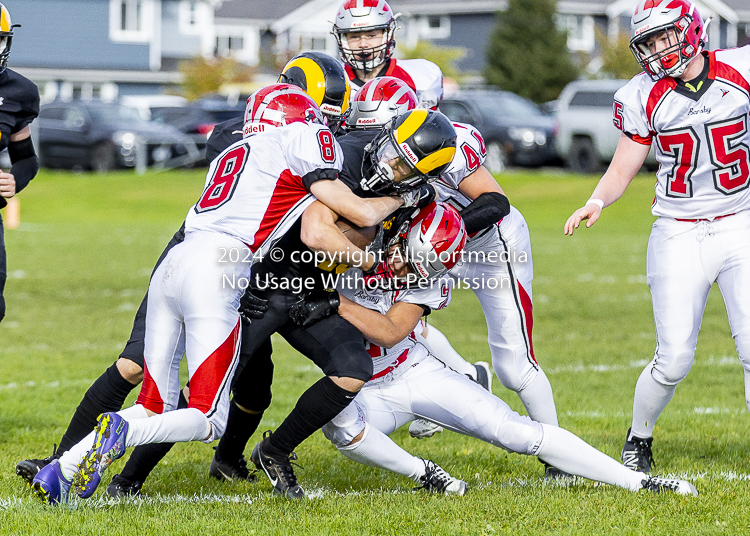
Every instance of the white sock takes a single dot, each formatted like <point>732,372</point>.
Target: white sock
<point>378,450</point>
<point>70,460</point>
<point>651,397</point>
<point>440,347</point>
<point>571,454</point>
<point>538,400</point>
<point>180,425</point>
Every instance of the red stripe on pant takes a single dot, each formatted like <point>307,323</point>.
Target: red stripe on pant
<point>528,312</point>
<point>211,375</point>
<point>149,396</point>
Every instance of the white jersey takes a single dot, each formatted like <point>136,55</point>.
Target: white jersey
<point>423,76</point>
<point>702,137</point>
<point>393,361</point>
<point>254,189</point>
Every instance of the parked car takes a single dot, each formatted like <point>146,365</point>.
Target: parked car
<point>102,136</point>
<point>587,137</point>
<point>197,119</point>
<point>515,130</point>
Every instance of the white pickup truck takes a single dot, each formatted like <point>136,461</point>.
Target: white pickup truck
<point>587,138</point>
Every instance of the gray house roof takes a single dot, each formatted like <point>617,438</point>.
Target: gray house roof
<point>266,11</point>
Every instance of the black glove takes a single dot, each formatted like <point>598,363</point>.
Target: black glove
<point>420,197</point>
<point>377,246</point>
<point>252,307</point>
<point>314,308</point>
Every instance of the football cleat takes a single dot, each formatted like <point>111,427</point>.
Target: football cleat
<point>636,454</point>
<point>27,469</point>
<point>229,472</point>
<point>436,479</point>
<point>422,428</point>
<point>50,485</point>
<point>484,375</point>
<point>123,487</point>
<point>109,445</point>
<point>278,469</point>
<point>658,485</point>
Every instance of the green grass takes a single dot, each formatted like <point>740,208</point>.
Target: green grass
<point>79,265</point>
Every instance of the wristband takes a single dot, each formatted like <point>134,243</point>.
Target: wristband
<point>597,202</point>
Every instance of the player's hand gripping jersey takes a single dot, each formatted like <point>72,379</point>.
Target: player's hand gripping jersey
<point>701,136</point>
<point>423,76</point>
<point>390,363</point>
<point>257,188</point>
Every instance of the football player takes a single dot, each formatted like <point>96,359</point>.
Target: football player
<point>20,105</point>
<point>109,391</point>
<point>409,382</point>
<point>285,156</point>
<point>364,30</point>
<point>693,106</point>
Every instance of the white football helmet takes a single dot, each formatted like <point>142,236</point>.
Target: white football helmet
<point>359,16</point>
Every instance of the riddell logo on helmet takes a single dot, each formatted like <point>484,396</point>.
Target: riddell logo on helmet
<point>366,121</point>
<point>639,31</point>
<point>330,109</point>
<point>409,153</point>
<point>253,128</point>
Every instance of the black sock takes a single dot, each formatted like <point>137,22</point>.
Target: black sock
<point>240,426</point>
<point>144,458</point>
<point>108,393</point>
<point>318,405</point>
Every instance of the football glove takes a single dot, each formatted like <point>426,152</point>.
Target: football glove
<point>314,307</point>
<point>252,307</point>
<point>420,197</point>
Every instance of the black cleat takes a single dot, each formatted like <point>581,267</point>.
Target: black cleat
<point>278,469</point>
<point>484,375</point>
<point>552,473</point>
<point>122,487</point>
<point>229,472</point>
<point>437,480</point>
<point>636,453</point>
<point>27,469</point>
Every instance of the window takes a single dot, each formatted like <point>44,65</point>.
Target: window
<point>52,113</point>
<point>434,27</point>
<point>312,42</point>
<point>580,30</point>
<point>130,20</point>
<point>227,45</point>
<point>456,112</point>
<point>594,99</point>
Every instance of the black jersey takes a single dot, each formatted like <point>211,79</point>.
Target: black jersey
<point>19,104</point>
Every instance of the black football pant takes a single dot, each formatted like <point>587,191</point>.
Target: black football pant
<point>3,270</point>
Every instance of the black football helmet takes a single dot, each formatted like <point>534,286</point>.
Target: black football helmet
<point>412,150</point>
<point>325,80</point>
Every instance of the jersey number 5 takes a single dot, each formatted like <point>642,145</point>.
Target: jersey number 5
<point>224,180</point>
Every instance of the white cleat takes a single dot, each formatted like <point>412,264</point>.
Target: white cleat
<point>658,485</point>
<point>422,428</point>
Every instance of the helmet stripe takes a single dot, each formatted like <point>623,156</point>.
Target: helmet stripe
<point>410,125</point>
<point>4,19</point>
<point>436,159</point>
<point>316,83</point>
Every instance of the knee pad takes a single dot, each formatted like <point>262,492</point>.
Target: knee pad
<point>672,367</point>
<point>350,360</point>
<point>505,365</point>
<point>345,426</point>
<point>520,435</point>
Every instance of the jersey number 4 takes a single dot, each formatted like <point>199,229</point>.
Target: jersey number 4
<point>473,160</point>
<point>731,160</point>
<point>224,179</point>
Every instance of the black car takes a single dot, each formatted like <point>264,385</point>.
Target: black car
<point>515,130</point>
<point>102,136</point>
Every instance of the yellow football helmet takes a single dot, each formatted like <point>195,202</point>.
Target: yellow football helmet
<point>6,36</point>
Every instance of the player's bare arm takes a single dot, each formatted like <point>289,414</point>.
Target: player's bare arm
<point>628,159</point>
<point>384,330</point>
<point>361,212</point>
<point>320,233</point>
<point>479,182</point>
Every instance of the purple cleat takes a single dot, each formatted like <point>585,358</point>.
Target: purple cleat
<point>50,484</point>
<point>109,445</point>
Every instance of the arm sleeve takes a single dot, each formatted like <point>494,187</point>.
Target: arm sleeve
<point>24,162</point>
<point>486,210</point>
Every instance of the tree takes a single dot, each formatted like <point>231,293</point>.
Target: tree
<point>444,57</point>
<point>617,60</point>
<point>527,53</point>
<point>204,76</point>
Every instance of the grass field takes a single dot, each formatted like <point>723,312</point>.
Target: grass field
<point>79,265</point>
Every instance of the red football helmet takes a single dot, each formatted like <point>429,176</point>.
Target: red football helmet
<point>685,32</point>
<point>433,240</point>
<point>380,100</point>
<point>278,105</point>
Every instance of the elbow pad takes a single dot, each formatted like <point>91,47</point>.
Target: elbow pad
<point>320,174</point>
<point>25,163</point>
<point>486,210</point>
